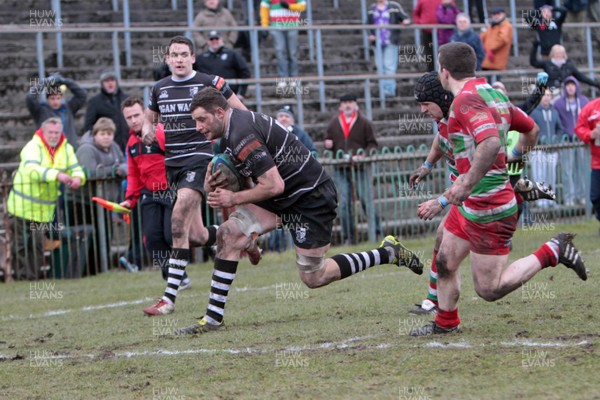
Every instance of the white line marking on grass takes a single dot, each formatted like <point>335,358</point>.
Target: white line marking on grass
<point>113,305</point>
<point>54,313</point>
<point>86,308</point>
<point>516,343</point>
<point>341,345</point>
<point>527,343</point>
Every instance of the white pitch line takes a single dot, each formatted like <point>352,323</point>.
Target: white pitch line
<point>54,313</point>
<point>525,343</point>
<point>344,344</point>
<point>86,308</point>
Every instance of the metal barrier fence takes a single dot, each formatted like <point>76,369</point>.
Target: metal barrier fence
<point>388,204</point>
<point>316,51</point>
<point>84,239</point>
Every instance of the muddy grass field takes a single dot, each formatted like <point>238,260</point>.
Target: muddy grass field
<point>88,339</point>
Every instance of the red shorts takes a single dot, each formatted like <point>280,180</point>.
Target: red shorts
<point>492,238</point>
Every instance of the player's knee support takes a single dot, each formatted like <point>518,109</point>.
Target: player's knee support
<point>309,264</point>
<point>246,221</point>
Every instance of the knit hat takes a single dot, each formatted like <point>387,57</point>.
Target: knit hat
<point>108,74</point>
<point>429,88</point>
<point>287,109</point>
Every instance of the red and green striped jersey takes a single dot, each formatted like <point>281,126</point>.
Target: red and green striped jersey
<point>479,112</point>
<point>446,147</point>
<point>280,17</point>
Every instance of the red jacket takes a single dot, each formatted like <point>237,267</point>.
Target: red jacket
<point>146,166</point>
<point>589,118</point>
<point>425,14</point>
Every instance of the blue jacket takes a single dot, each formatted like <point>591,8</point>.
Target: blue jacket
<point>551,129</point>
<point>472,39</point>
<point>304,138</point>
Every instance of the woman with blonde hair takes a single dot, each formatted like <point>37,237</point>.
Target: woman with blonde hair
<point>558,67</point>
<point>105,167</point>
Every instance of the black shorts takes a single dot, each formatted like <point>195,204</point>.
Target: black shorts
<point>310,219</point>
<point>188,176</point>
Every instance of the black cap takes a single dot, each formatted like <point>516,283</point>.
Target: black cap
<point>429,88</point>
<point>497,10</point>
<point>214,35</point>
<point>287,109</point>
<point>348,97</point>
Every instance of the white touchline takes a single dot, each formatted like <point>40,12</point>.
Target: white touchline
<point>344,344</point>
<point>86,308</point>
<point>133,302</point>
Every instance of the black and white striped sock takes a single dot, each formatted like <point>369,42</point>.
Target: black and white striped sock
<point>223,276</point>
<point>353,263</point>
<point>177,263</point>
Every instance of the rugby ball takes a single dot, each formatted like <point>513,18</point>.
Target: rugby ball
<point>223,162</point>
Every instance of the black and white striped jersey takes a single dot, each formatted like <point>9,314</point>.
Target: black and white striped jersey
<point>171,98</point>
<point>258,142</point>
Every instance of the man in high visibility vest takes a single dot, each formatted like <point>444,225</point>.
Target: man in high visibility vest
<point>47,160</point>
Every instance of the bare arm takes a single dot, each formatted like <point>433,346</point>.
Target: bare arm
<point>527,140</point>
<point>435,153</point>
<point>269,185</point>
<point>150,121</point>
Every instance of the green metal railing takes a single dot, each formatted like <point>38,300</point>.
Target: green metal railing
<point>85,239</point>
<point>395,203</point>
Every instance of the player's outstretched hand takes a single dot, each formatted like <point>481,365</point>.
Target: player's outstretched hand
<point>221,198</point>
<point>418,175</point>
<point>429,209</point>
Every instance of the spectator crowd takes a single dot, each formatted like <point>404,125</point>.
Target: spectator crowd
<point>64,165</point>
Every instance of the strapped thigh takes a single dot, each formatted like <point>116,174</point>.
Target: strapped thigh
<point>246,221</point>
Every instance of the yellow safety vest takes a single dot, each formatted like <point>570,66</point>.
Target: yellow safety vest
<point>35,185</point>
